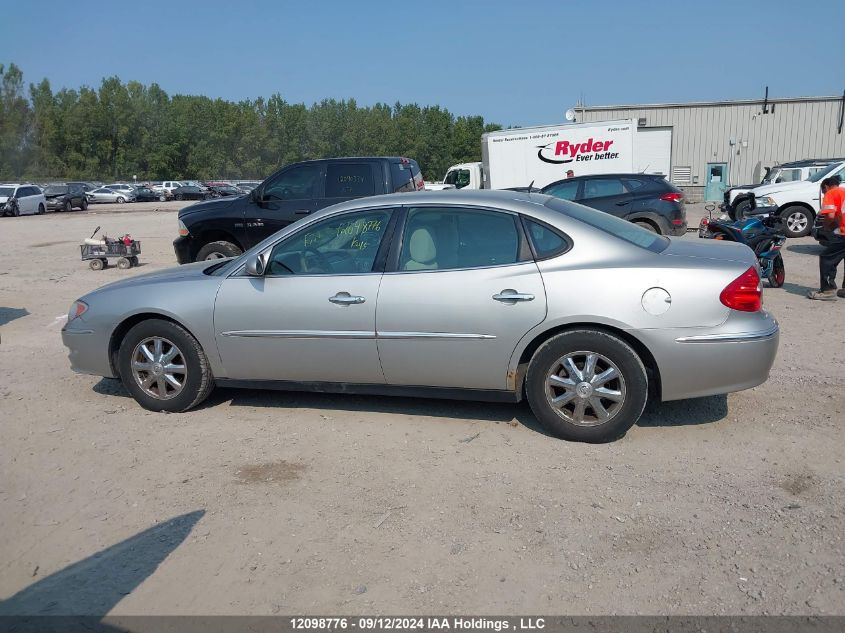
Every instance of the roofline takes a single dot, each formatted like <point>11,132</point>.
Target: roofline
<point>699,104</point>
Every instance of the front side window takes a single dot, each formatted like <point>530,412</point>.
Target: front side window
<point>342,245</point>
<point>458,177</point>
<point>446,238</point>
<point>601,187</point>
<point>349,180</point>
<point>297,183</point>
<point>566,190</point>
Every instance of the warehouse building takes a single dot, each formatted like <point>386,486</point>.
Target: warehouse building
<point>705,147</point>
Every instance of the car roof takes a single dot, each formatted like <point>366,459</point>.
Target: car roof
<point>809,162</point>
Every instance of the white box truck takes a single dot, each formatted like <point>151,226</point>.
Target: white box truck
<point>543,154</point>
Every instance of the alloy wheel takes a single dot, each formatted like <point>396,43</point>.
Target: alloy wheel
<point>585,388</point>
<point>158,367</point>
<point>797,221</point>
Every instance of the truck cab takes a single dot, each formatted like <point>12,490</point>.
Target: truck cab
<point>465,176</point>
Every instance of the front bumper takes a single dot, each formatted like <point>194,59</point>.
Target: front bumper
<point>183,246</point>
<point>87,350</point>
<point>698,362</point>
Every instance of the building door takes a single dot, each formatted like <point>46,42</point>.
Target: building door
<point>716,182</point>
<point>653,150</point>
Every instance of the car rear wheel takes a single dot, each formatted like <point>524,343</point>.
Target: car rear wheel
<point>180,197</point>
<point>586,386</point>
<point>164,367</point>
<point>797,221</point>
<point>648,226</point>
<point>218,250</point>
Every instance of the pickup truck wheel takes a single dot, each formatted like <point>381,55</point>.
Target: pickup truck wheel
<point>797,221</point>
<point>587,386</point>
<point>740,210</point>
<point>218,250</point>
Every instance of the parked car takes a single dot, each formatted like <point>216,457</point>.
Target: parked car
<point>787,172</point>
<point>65,197</point>
<point>145,194</point>
<point>167,187</point>
<point>473,295</point>
<point>106,194</point>
<point>797,203</point>
<point>86,186</point>
<point>222,191</point>
<point>246,187</point>
<point>22,199</point>
<point>189,192</point>
<point>228,226</point>
<point>122,188</point>
<point>644,199</point>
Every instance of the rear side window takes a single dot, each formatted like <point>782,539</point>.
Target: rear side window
<point>406,176</point>
<point>600,187</point>
<point>621,229</point>
<point>545,241</point>
<point>349,180</point>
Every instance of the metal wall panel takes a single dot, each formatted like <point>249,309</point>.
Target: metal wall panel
<point>796,129</point>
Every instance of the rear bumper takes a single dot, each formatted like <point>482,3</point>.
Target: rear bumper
<point>697,362</point>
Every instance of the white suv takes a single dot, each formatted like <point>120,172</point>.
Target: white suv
<point>796,202</point>
<point>16,199</point>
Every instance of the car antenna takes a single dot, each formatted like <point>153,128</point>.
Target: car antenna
<point>644,168</point>
<point>531,186</point>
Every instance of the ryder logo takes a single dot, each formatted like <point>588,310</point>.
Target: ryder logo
<point>559,152</point>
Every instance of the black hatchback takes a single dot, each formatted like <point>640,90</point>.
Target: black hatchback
<point>644,199</point>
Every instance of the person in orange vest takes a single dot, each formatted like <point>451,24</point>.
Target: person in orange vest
<point>833,212</point>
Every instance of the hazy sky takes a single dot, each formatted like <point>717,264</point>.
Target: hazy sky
<point>515,63</point>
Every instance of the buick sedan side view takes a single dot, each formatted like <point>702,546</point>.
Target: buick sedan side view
<point>489,295</point>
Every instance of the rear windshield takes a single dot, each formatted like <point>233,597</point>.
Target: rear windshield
<point>406,176</point>
<point>53,190</point>
<point>610,224</point>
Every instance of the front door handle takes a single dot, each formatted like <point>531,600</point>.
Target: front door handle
<point>345,299</point>
<point>302,211</point>
<point>513,295</point>
<point>623,203</point>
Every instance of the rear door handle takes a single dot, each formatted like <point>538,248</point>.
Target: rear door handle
<point>345,299</point>
<point>623,203</point>
<point>302,211</point>
<point>513,295</point>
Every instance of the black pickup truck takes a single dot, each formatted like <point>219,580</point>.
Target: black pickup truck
<point>228,226</point>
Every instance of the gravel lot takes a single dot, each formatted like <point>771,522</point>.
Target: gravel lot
<point>267,503</point>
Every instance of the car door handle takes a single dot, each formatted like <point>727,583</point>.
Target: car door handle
<point>302,211</point>
<point>513,295</point>
<point>345,299</point>
<point>623,203</point>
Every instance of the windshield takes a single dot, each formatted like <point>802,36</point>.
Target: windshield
<point>610,224</point>
<point>5,192</point>
<point>55,190</point>
<point>823,173</point>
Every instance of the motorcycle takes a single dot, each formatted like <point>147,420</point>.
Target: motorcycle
<point>762,233</point>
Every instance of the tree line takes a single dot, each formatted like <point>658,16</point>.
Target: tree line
<point>128,129</point>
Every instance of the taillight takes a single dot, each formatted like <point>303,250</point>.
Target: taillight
<point>745,293</point>
<point>674,196</point>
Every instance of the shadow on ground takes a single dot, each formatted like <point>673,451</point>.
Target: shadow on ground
<point>805,249</point>
<point>10,314</point>
<point>679,413</point>
<point>795,289</point>
<point>94,585</point>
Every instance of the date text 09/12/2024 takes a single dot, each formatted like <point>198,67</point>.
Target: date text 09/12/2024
<point>384,623</point>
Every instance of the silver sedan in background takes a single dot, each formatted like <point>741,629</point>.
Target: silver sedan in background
<point>104,194</point>
<point>488,295</point>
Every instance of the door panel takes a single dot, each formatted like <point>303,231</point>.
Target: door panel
<point>606,194</point>
<point>445,329</point>
<point>285,328</point>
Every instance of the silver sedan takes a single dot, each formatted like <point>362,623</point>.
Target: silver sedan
<point>104,194</point>
<point>483,295</point>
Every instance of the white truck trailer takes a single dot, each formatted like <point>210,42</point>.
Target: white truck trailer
<point>544,154</point>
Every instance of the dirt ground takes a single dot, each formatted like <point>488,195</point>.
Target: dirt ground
<point>263,503</point>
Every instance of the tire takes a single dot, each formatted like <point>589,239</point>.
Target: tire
<point>648,226</point>
<point>124,264</point>
<point>96,264</point>
<point>162,198</point>
<point>196,379</point>
<point>218,250</point>
<point>133,260</point>
<point>41,209</point>
<point>778,275</point>
<point>68,207</point>
<point>797,221</point>
<point>120,200</point>
<point>610,353</point>
<point>741,209</point>
<point>180,197</point>
<point>16,211</point>
<point>84,205</point>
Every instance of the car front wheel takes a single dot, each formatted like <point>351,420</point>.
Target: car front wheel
<point>797,221</point>
<point>586,386</point>
<point>164,367</point>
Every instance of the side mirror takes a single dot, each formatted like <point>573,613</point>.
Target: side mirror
<point>255,265</point>
<point>256,196</point>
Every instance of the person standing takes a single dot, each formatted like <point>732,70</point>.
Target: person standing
<point>833,212</point>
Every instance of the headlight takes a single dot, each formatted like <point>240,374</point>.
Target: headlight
<point>765,201</point>
<point>77,310</point>
<point>183,230</point>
